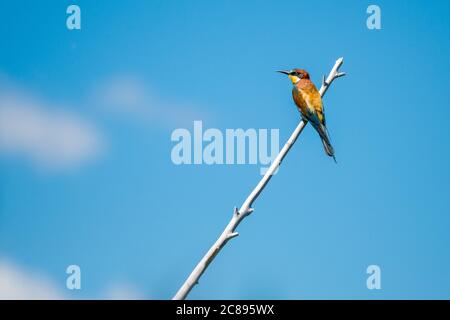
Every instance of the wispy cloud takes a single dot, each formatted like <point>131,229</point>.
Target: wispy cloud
<point>16,283</point>
<point>21,283</point>
<point>48,135</point>
<point>123,291</point>
<point>54,137</point>
<point>128,96</point>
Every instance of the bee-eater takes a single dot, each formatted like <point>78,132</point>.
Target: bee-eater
<point>309,102</point>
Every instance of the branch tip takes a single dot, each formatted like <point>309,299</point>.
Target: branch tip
<point>232,235</point>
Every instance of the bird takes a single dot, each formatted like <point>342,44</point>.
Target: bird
<point>309,102</point>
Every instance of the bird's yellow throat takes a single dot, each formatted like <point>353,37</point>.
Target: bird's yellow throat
<point>294,79</point>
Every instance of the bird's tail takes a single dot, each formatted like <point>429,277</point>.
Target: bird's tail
<point>323,132</point>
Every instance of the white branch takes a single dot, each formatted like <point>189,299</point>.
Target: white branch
<point>246,209</point>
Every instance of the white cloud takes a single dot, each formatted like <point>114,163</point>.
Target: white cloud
<point>128,96</point>
<point>123,94</point>
<point>47,135</point>
<point>123,291</point>
<point>17,284</point>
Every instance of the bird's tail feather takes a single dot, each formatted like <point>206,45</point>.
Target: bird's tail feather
<point>329,149</point>
<point>323,132</point>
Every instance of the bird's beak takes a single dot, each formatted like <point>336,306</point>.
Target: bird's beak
<point>282,71</point>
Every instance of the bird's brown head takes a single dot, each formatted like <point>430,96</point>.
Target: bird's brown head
<point>295,75</point>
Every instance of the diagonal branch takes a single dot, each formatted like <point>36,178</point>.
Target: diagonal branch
<point>238,215</point>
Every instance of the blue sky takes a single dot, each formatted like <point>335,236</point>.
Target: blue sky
<point>86,176</point>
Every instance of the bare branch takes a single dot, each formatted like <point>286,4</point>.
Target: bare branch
<point>238,215</point>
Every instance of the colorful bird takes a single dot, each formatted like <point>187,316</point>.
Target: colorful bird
<point>309,102</point>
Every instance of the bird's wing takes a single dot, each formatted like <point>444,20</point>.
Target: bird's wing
<point>314,101</point>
